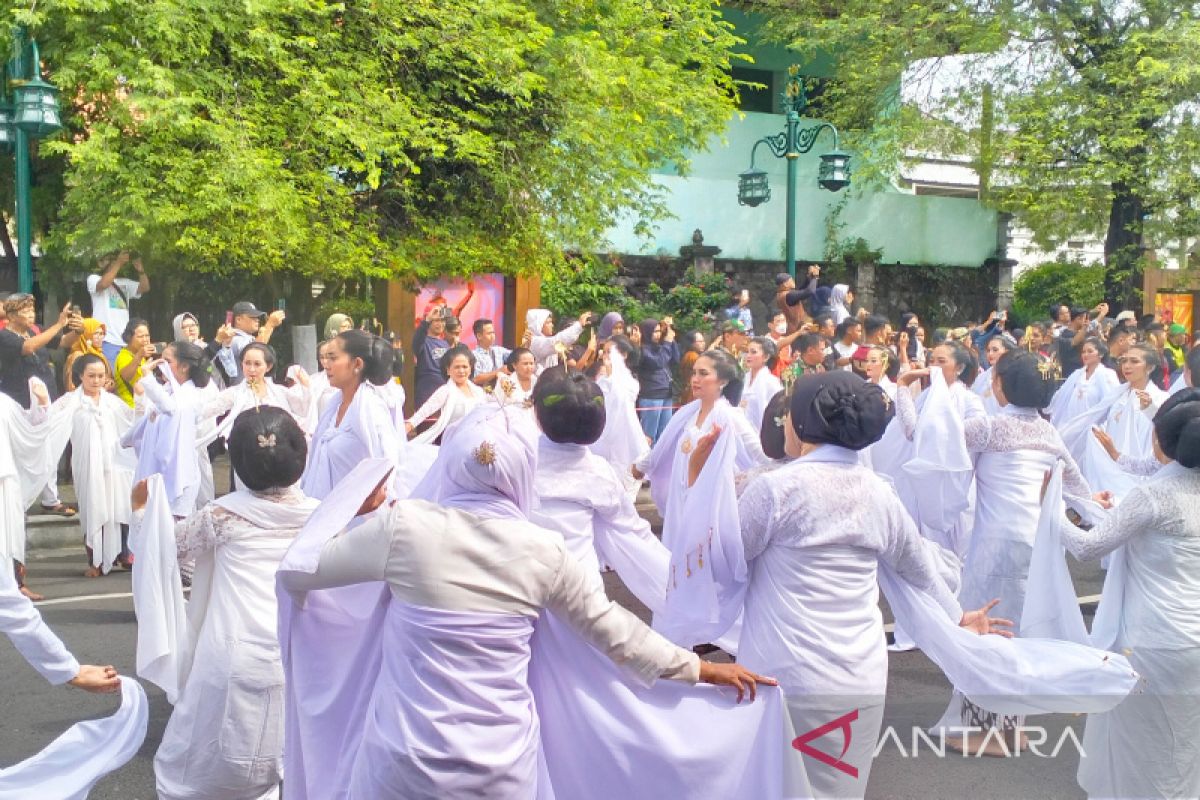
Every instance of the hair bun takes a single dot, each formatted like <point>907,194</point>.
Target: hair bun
<point>841,409</point>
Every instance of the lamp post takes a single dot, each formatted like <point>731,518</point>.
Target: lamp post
<point>791,143</point>
<point>28,110</point>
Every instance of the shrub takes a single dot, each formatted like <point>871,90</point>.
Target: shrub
<point>1036,290</point>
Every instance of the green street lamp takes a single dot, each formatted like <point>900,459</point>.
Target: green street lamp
<point>31,113</point>
<point>791,143</point>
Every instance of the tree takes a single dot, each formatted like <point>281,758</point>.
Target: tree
<point>1081,114</point>
<point>391,138</point>
<point>1054,282</point>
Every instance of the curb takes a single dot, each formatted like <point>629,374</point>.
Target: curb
<point>50,532</point>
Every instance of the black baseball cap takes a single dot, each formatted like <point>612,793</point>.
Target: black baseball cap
<point>245,307</point>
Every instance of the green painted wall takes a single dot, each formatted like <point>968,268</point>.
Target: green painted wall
<point>909,229</point>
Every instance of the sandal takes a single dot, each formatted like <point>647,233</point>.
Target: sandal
<point>61,510</point>
<point>32,595</point>
<point>92,572</point>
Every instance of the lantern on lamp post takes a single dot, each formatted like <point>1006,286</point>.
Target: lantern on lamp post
<point>28,110</point>
<point>791,143</point>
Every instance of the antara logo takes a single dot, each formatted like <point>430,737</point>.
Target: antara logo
<point>801,743</point>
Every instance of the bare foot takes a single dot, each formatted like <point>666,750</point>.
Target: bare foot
<point>32,595</point>
<point>92,572</point>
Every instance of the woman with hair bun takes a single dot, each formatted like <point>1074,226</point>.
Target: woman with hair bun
<point>452,401</point>
<point>698,518</point>
<point>997,345</point>
<point>166,438</point>
<point>761,383</point>
<point>820,536</point>
<point>225,735</point>
<point>1013,451</point>
<point>1085,388</point>
<point>1148,610</point>
<point>1126,414</point>
<point>358,422</point>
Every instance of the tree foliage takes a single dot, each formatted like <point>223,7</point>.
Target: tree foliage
<point>1055,282</point>
<point>1091,126</point>
<point>594,285</point>
<point>407,138</point>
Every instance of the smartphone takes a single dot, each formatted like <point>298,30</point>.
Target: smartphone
<point>228,318</point>
<point>76,310</point>
<point>281,304</point>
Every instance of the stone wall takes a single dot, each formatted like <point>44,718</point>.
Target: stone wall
<point>941,296</point>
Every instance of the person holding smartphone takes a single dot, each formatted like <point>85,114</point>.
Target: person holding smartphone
<point>111,294</point>
<point>249,324</point>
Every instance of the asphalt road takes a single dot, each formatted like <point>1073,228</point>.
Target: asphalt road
<point>95,619</point>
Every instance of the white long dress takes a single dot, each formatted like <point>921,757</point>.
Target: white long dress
<point>700,523</point>
<point>1145,747</point>
<point>166,441</point>
<point>812,616</point>
<point>69,766</point>
<point>24,469</point>
<point>649,728</point>
<point>1121,416</point>
<point>224,740</point>
<point>760,388</point>
<point>457,635</point>
<point>450,404</point>
<point>366,431</point>
<point>1014,451</point>
<point>623,441</point>
<point>101,467</point>
<point>1080,393</point>
<point>812,619</point>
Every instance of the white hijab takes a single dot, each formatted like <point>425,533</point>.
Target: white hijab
<point>485,465</point>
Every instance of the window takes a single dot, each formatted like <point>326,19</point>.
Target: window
<point>755,98</point>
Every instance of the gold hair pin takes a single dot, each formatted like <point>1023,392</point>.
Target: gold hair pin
<point>266,441</point>
<point>485,454</point>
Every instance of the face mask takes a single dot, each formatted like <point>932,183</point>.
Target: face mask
<point>781,328</point>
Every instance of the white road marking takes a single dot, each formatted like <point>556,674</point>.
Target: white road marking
<point>58,601</point>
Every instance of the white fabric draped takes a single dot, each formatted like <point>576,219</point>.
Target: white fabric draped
<point>163,642</point>
<point>700,524</point>
<point>1130,426</point>
<point>983,387</point>
<point>233,690</point>
<point>166,441</point>
<point>101,467</point>
<point>68,767</point>
<point>25,467</point>
<point>1080,393</point>
<point>366,431</point>
<point>759,390</point>
<point>450,404</point>
<point>1143,747</point>
<point>623,442</point>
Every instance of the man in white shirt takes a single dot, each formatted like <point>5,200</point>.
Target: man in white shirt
<point>110,300</point>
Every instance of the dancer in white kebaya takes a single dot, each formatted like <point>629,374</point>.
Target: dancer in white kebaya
<point>451,713</point>
<point>93,420</point>
<point>224,740</point>
<point>1143,747</point>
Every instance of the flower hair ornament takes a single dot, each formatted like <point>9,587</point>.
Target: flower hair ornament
<point>484,454</point>
<point>267,441</point>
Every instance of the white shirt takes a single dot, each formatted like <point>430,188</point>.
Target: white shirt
<point>111,305</point>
